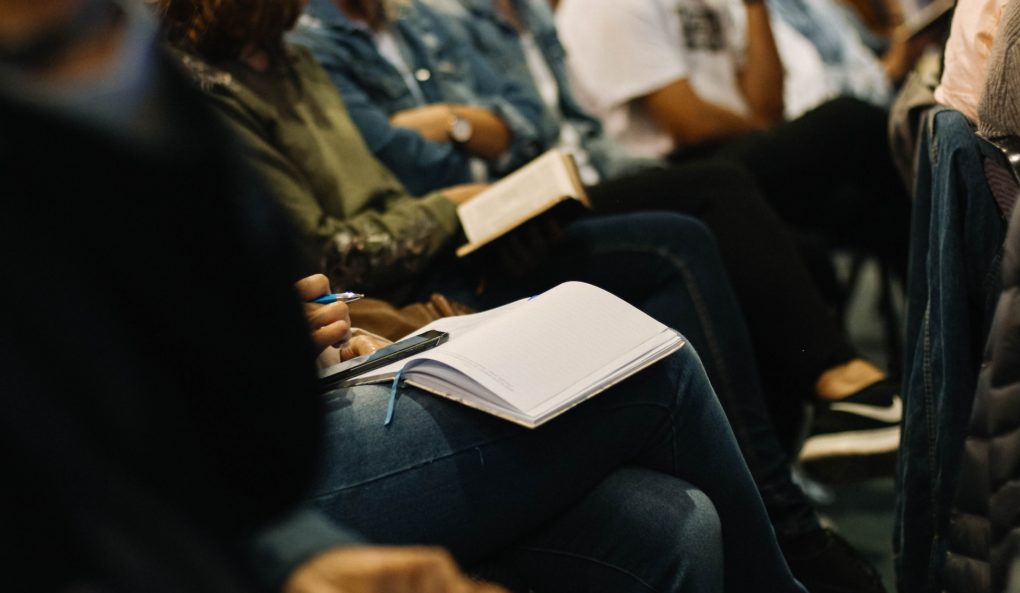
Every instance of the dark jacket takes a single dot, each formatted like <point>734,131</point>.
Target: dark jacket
<point>354,220</point>
<point>985,526</point>
<point>157,380</point>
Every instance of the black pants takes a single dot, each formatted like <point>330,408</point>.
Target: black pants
<point>793,332</point>
<point>829,172</point>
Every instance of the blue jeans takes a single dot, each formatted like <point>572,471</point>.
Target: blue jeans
<point>668,265</point>
<point>952,287</point>
<point>643,488</point>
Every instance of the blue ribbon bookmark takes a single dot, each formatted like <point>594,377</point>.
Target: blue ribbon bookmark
<point>394,391</point>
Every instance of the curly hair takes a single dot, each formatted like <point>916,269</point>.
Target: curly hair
<point>222,29</point>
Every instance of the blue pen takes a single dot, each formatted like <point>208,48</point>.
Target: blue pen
<point>347,297</point>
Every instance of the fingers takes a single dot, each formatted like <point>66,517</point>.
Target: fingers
<point>383,570</point>
<point>312,287</point>
<point>330,324</point>
<point>360,346</point>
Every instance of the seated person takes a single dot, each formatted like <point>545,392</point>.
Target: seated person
<point>997,115</point>
<point>965,64</point>
<point>349,208</point>
<point>513,502</point>
<point>151,427</point>
<point>787,319</point>
<point>519,40</point>
<point>405,122</point>
<point>177,426</point>
<point>682,80</point>
<point>842,64</point>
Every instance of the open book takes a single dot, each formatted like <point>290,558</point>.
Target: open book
<point>517,198</point>
<point>532,360</point>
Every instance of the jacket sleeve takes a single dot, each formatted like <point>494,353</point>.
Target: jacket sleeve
<point>520,110</point>
<point>421,165</point>
<point>276,551</point>
<point>369,250</point>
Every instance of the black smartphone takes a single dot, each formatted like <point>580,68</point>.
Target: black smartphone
<point>384,356</point>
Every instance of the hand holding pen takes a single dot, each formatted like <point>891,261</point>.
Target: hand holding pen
<point>327,313</point>
<point>344,297</point>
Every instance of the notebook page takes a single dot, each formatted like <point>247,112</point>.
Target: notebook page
<point>625,365</point>
<point>516,197</point>
<point>455,326</point>
<point>550,343</point>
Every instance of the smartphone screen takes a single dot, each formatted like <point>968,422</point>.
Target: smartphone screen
<point>382,357</point>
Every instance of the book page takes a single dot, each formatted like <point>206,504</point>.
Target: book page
<point>540,349</point>
<point>517,197</point>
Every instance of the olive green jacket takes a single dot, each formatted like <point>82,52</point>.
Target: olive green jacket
<point>355,221</point>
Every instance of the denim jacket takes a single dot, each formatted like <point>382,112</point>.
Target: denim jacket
<point>850,64</point>
<point>447,71</point>
<point>482,26</point>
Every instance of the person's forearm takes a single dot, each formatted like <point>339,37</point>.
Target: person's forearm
<point>690,120</point>
<point>761,80</point>
<point>490,136</point>
<point>719,123</point>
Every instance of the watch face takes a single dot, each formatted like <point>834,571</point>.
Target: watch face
<point>460,130</point>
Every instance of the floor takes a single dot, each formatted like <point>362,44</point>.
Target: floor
<point>863,511</point>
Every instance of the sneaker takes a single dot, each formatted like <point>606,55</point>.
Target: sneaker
<point>861,430</point>
<point>824,562</point>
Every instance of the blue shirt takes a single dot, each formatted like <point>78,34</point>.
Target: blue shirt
<point>851,65</point>
<point>446,70</point>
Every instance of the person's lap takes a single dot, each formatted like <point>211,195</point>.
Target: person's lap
<point>662,534</point>
<point>447,475</point>
<point>668,265</point>
<point>472,482</point>
<point>829,171</point>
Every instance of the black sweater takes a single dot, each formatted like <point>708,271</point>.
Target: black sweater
<point>155,370</point>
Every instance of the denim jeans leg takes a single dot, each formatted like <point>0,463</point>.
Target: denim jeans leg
<point>636,524</point>
<point>447,475</point>
<point>956,241</point>
<point>669,266</point>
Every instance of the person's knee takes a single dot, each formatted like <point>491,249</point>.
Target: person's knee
<point>674,526</point>
<point>687,374</point>
<point>675,235</point>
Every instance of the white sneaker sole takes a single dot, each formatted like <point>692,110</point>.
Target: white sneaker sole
<point>856,443</point>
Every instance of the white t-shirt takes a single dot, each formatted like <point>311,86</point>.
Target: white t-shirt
<point>807,80</point>
<point>621,50</point>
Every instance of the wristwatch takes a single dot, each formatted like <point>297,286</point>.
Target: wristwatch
<point>460,129</point>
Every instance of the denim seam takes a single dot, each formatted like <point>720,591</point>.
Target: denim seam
<point>700,308</point>
<point>597,561</point>
<point>930,421</point>
<point>461,451</point>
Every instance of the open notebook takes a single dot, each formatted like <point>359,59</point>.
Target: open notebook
<point>532,360</point>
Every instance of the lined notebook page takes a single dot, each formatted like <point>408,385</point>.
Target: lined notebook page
<point>536,351</point>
